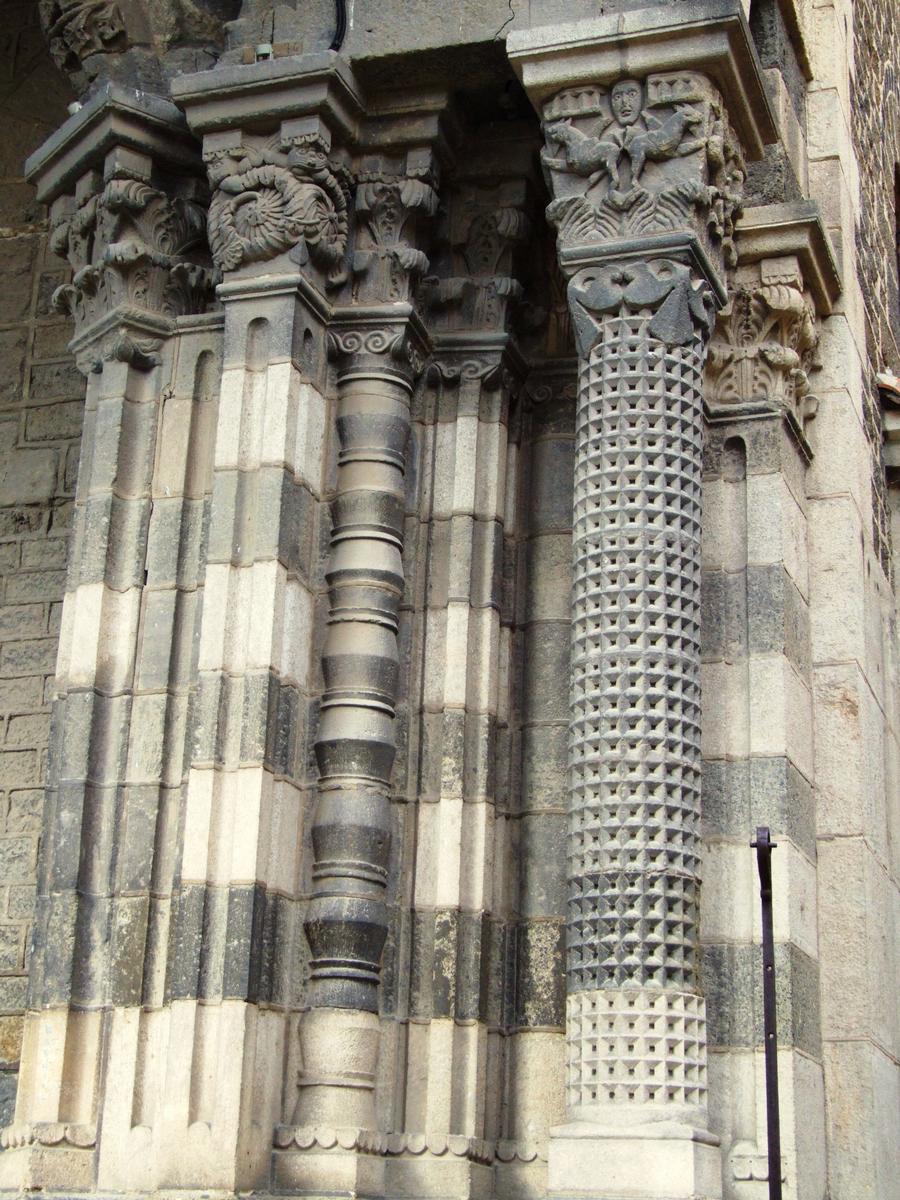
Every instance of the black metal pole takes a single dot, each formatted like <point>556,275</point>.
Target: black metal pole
<point>764,846</point>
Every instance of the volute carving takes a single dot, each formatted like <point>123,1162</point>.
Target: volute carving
<point>270,198</point>
<point>642,157</point>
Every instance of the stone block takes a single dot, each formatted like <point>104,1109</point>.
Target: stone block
<point>54,422</point>
<point>634,1163</point>
<point>12,365</point>
<point>28,476</point>
<point>17,261</point>
<point>59,379</point>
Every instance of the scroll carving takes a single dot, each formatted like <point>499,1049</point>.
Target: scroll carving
<point>643,157</point>
<point>270,199</point>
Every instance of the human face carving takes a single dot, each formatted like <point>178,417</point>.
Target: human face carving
<point>625,101</point>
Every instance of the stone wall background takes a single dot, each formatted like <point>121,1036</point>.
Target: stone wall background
<point>41,396</point>
<point>876,137</point>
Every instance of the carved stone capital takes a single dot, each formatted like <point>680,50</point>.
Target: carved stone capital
<point>138,43</point>
<point>131,221</point>
<point>393,220</point>
<point>478,283</point>
<point>388,341</point>
<point>272,195</point>
<point>765,342</point>
<point>643,157</point>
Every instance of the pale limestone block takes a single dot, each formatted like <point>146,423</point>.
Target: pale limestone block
<point>859,1117</point>
<point>794,900</point>
<point>792,137</point>
<point>241,821</point>
<point>459,619</point>
<point>827,43</point>
<point>427,1175</point>
<point>520,1180</point>
<point>129,1104</point>
<point>293,653</point>
<point>54,1168</point>
<point>841,358</point>
<point>843,459</point>
<point>536,1096</point>
<point>278,427</point>
<point>309,457</point>
<point>328,1172</point>
<point>837,594</point>
<point>776,528</point>
<point>76,657</point>
<point>490,481</point>
<point>416,1077</point>
<point>282,867</point>
<point>228,418</point>
<point>437,1116</point>
<point>877,628</point>
<point>460,557</point>
<point>715,680</point>
<point>727,895</point>
<point>465,463</point>
<point>483,651</point>
<point>448,857</point>
<point>41,1077</point>
<point>732,1102</point>
<point>197,821</point>
<point>849,756</point>
<point>633,1166</point>
<point>477,863</point>
<point>444,469</point>
<point>801,1102</point>
<point>780,711</point>
<point>172,445</point>
<point>828,132</point>
<point>257,614</point>
<point>254,412</point>
<point>214,614</point>
<point>434,658</point>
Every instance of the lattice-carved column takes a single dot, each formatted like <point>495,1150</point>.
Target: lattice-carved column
<point>646,172</point>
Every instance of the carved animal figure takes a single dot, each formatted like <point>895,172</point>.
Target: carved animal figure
<point>585,155</point>
<point>662,139</point>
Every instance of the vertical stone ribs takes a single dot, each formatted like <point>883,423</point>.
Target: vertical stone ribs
<point>347,921</point>
<point>635,722</point>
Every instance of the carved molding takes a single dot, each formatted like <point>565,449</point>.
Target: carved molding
<point>48,1133</point>
<point>766,340</point>
<point>644,156</point>
<point>478,1150</point>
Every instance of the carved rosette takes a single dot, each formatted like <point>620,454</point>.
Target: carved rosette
<point>766,339</point>
<point>137,254</point>
<point>269,199</point>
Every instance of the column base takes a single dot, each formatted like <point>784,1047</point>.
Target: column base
<point>41,1168</point>
<point>660,1161</point>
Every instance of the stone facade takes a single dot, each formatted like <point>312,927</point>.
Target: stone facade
<point>480,526</point>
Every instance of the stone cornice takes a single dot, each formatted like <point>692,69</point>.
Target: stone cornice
<point>711,37</point>
<point>114,117</point>
<point>776,230</point>
<point>276,90</point>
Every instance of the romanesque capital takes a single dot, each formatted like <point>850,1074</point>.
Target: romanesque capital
<point>128,211</point>
<point>649,158</point>
<point>136,43</point>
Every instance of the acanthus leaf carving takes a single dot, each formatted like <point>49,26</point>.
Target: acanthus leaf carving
<point>135,248</point>
<point>390,209</point>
